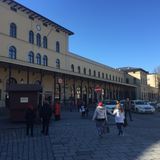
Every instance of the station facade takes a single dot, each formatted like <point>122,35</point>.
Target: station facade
<point>35,50</point>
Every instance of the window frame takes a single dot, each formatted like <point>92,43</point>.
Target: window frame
<point>12,52</point>
<point>31,57</point>
<point>13,30</point>
<point>31,37</point>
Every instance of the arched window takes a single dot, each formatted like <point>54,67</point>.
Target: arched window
<point>12,52</point>
<point>31,57</point>
<point>79,69</point>
<point>89,72</point>
<point>57,46</point>
<point>45,60</point>
<point>45,42</point>
<point>13,30</point>
<point>58,63</point>
<point>11,80</point>
<point>38,58</point>
<point>84,70</point>
<point>31,37</point>
<point>72,68</point>
<point>38,37</point>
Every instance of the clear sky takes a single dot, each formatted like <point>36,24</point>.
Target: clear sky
<point>117,33</point>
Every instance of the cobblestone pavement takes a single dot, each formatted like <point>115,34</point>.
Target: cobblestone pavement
<point>74,138</point>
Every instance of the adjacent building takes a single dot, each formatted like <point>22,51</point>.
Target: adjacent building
<point>154,86</point>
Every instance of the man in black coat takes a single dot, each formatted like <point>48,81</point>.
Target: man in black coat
<point>127,109</point>
<point>45,114</point>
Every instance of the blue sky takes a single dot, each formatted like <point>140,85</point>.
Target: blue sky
<point>117,33</point>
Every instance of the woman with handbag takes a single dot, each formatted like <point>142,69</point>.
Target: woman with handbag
<point>100,116</point>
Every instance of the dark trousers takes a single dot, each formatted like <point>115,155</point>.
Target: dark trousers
<point>45,127</point>
<point>29,127</point>
<point>57,117</point>
<point>130,115</point>
<point>120,130</point>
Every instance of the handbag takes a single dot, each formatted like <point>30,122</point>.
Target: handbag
<point>106,128</point>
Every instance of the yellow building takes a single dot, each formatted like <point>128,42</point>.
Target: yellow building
<point>154,86</point>
<point>34,50</point>
<point>147,84</point>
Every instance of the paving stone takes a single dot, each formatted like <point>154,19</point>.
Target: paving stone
<point>74,138</point>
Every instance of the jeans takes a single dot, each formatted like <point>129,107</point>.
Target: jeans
<point>130,115</point>
<point>119,127</point>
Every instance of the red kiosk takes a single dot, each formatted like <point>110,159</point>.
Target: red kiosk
<point>20,95</point>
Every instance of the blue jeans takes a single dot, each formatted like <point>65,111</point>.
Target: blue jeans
<point>100,126</point>
<point>120,130</point>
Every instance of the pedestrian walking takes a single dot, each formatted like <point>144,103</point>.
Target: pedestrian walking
<point>127,109</point>
<point>119,118</point>
<point>30,118</point>
<point>57,111</point>
<point>45,114</point>
<point>100,116</point>
<point>82,110</point>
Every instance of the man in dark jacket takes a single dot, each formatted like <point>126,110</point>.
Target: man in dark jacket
<point>45,114</point>
<point>30,118</point>
<point>127,109</point>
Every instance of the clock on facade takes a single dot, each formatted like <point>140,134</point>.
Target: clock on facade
<point>38,27</point>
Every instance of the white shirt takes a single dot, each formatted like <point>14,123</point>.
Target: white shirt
<point>119,116</point>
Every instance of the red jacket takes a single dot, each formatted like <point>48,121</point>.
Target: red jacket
<point>57,109</point>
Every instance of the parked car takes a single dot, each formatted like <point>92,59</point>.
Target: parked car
<point>142,106</point>
<point>110,104</point>
<point>158,106</point>
<point>154,104</point>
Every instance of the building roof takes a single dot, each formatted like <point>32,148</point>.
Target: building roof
<point>132,69</point>
<point>33,14</point>
<point>24,87</point>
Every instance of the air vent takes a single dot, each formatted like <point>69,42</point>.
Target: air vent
<point>57,30</point>
<point>30,17</point>
<point>45,24</point>
<point>13,9</point>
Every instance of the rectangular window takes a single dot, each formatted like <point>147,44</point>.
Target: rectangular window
<point>102,75</point>
<point>134,80</point>
<point>0,94</point>
<point>99,74</point>
<point>106,76</point>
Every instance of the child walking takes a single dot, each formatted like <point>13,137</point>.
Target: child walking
<point>119,118</point>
